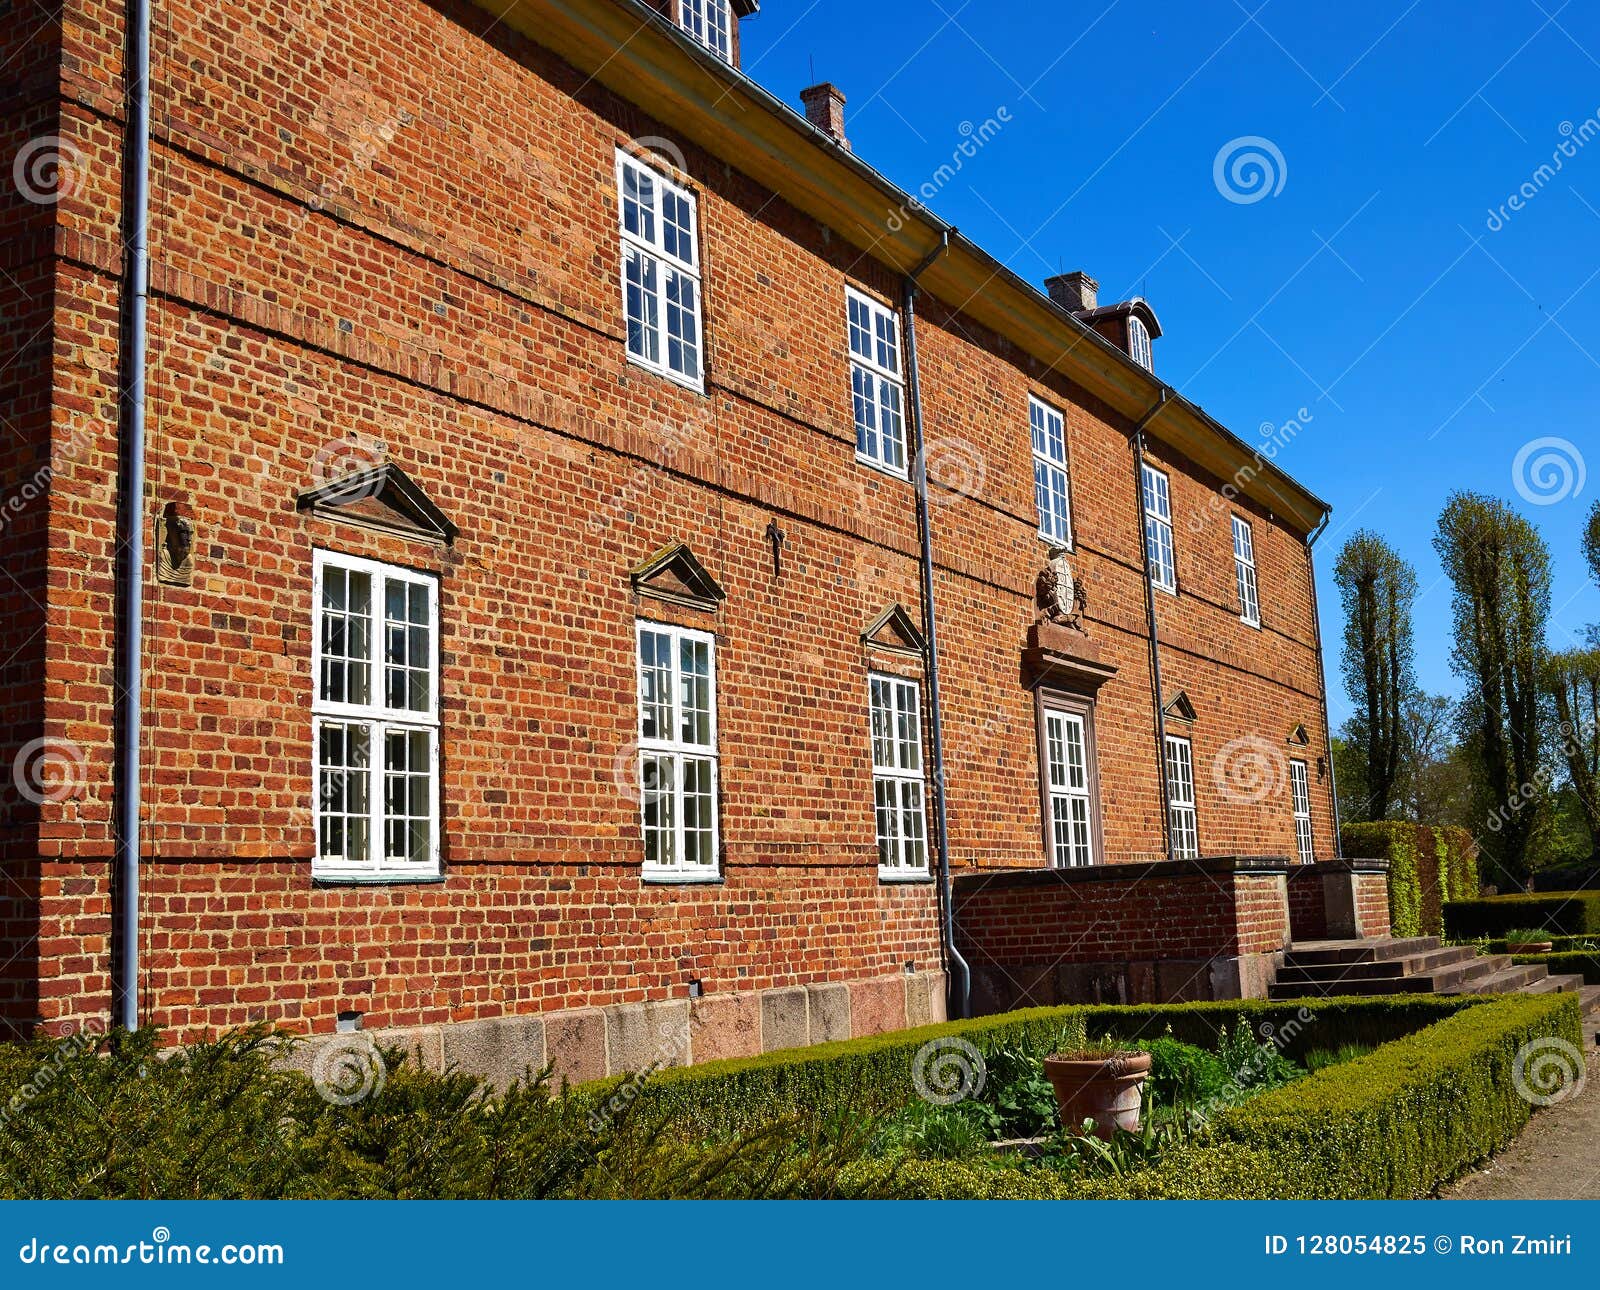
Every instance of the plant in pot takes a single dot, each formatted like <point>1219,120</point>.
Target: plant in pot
<point>1102,1084</point>
<point>1528,940</point>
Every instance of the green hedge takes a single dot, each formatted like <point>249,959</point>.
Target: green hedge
<point>1574,962</point>
<point>873,1075</point>
<point>1558,944</point>
<point>1429,865</point>
<point>1568,913</point>
<point>1395,1124</point>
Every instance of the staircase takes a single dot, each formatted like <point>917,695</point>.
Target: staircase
<point>1417,965</point>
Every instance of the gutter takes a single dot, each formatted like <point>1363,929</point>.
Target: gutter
<point>1137,440</point>
<point>1322,680</point>
<point>960,994</point>
<point>130,574</point>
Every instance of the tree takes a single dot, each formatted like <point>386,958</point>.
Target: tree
<point>1431,771</point>
<point>1500,569</point>
<point>1377,588</point>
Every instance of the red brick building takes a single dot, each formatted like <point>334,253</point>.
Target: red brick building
<point>539,615</point>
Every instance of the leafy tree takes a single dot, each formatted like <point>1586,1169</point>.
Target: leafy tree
<point>1433,773</point>
<point>1500,568</point>
<point>1377,587</point>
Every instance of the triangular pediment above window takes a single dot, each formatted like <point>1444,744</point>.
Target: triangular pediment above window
<point>674,574</point>
<point>1300,736</point>
<point>1180,709</point>
<point>380,497</point>
<point>895,631</point>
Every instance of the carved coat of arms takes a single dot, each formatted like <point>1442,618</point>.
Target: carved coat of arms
<point>1061,596</point>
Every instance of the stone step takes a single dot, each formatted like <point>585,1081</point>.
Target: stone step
<point>1506,980</point>
<point>1590,994</point>
<point>1559,984</point>
<point>1377,950</point>
<point>1294,969</point>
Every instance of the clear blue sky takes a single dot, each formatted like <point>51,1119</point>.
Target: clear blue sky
<point>1369,289</point>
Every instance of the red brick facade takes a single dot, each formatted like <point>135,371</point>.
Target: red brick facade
<point>395,223</point>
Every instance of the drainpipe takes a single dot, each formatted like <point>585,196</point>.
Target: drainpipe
<point>961,988</point>
<point>1322,680</point>
<point>130,595</point>
<point>1150,620</point>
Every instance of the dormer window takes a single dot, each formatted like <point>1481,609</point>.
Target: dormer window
<point>710,24</point>
<point>1139,343</point>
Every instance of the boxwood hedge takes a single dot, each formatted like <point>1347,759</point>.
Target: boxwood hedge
<point>872,1076</point>
<point>1568,913</point>
<point>1575,962</point>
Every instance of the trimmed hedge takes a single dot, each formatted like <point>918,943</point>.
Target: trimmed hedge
<point>872,1076</point>
<point>1558,944</point>
<point>1575,962</point>
<point>1429,866</point>
<point>1568,913</point>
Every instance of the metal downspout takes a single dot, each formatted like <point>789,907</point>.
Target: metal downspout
<point>130,593</point>
<point>1322,680</point>
<point>1150,620</point>
<point>961,994</point>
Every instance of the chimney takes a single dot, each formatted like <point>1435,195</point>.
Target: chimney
<point>1076,291</point>
<point>825,110</point>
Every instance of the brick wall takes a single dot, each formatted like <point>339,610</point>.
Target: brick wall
<point>396,223</point>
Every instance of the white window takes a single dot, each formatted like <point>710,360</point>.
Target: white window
<point>678,752</point>
<point>1244,569</point>
<point>1180,799</point>
<point>1139,343</point>
<point>897,777</point>
<point>1300,791</point>
<point>1050,472</point>
<point>708,22</point>
<point>876,387</point>
<point>660,271</point>
<point>375,719</point>
<point>1158,530</point>
<point>1066,744</point>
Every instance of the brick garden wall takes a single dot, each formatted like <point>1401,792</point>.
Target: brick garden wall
<point>396,223</point>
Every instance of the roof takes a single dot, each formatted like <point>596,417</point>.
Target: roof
<point>1138,305</point>
<point>641,56</point>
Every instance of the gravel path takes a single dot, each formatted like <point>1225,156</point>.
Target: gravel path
<point>1554,1158</point>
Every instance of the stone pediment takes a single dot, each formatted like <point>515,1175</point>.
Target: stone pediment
<point>895,631</point>
<point>380,497</point>
<point>674,574</point>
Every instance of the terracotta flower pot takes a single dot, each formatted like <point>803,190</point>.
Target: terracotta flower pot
<point>1107,1090</point>
<point>1529,947</point>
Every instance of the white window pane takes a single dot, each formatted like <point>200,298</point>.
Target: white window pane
<point>892,426</point>
<point>641,304</point>
<point>343,781</point>
<point>658,784</point>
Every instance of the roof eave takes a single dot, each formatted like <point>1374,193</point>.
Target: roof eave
<point>635,52</point>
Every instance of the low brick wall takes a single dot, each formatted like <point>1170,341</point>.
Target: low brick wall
<point>1308,914</point>
<point>1150,933</point>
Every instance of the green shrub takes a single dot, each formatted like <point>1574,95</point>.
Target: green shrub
<point>874,1075</point>
<point>1568,913</point>
<point>1429,866</point>
<point>1182,1072</point>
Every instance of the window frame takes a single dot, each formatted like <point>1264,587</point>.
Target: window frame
<point>1245,574</point>
<point>1300,808</point>
<point>1176,806</point>
<point>1156,523</point>
<point>380,720</point>
<point>656,252</point>
<point>1139,343</point>
<point>704,9</point>
<point>899,776</point>
<point>878,373</point>
<point>1049,414</point>
<point>679,871</point>
<point>1071,707</point>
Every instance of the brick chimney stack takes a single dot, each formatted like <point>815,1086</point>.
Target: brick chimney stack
<point>825,110</point>
<point>1076,291</point>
